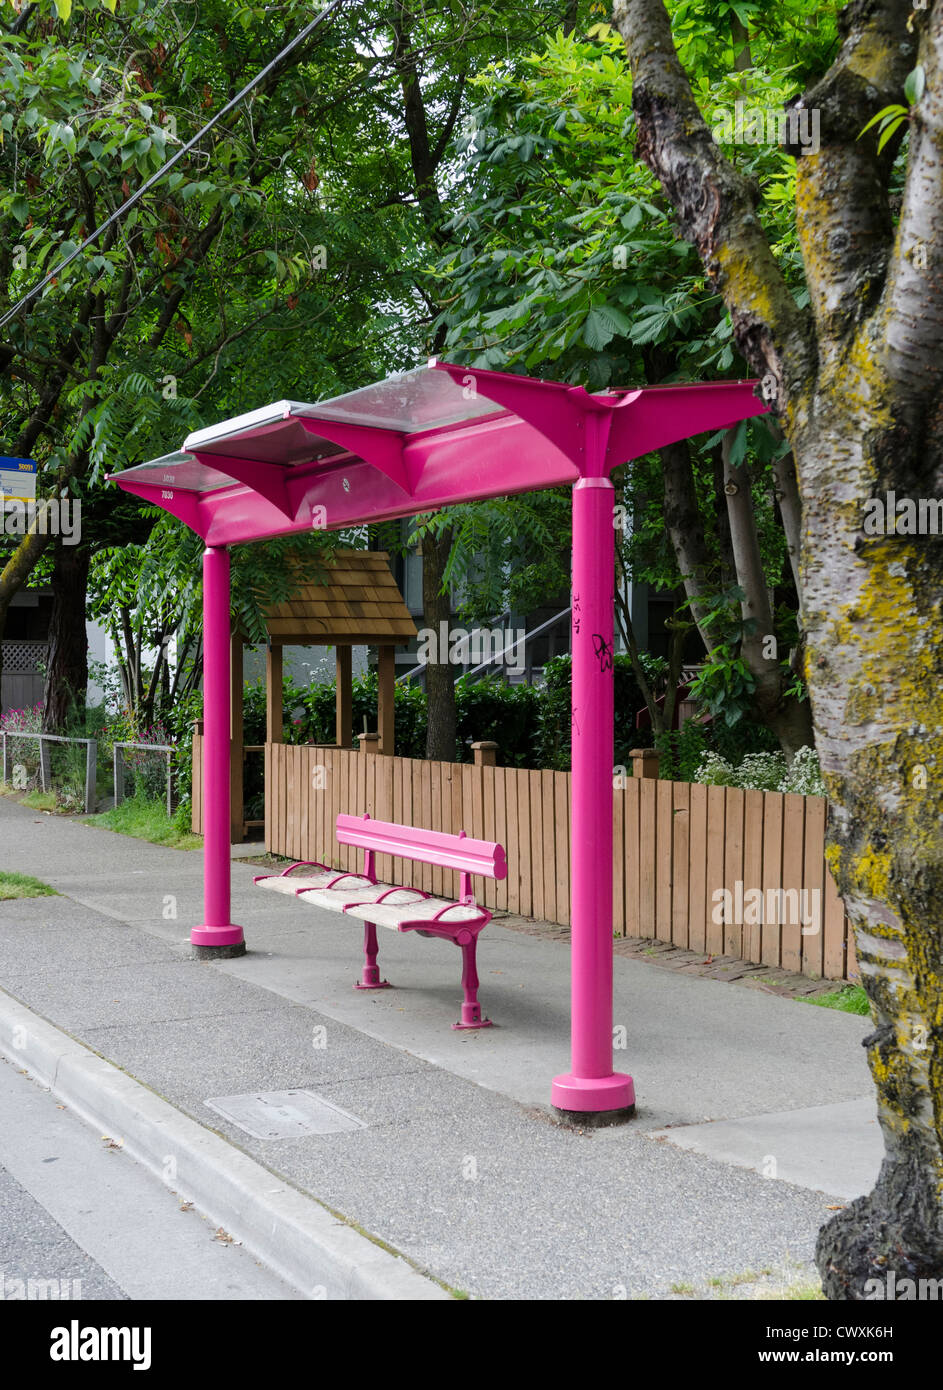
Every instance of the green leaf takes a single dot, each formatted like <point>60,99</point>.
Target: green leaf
<point>915,85</point>
<point>597,331</point>
<point>738,449</point>
<point>884,115</point>
<point>603,323</point>
<point>890,131</point>
<point>64,8</point>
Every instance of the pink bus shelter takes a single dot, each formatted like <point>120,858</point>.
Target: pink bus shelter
<point>418,441</point>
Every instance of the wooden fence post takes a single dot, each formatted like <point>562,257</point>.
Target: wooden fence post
<point>273,694</point>
<point>344,697</point>
<point>644,762</point>
<point>486,753</point>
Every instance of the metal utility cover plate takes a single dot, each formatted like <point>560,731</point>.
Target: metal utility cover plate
<point>284,1114</point>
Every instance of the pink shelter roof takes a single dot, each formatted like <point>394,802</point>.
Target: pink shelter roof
<point>417,441</point>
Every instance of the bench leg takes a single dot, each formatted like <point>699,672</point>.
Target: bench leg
<point>370,979</point>
<point>471,1009</point>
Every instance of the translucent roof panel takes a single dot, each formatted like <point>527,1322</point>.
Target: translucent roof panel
<point>421,399</point>
<point>283,441</point>
<point>238,424</point>
<point>181,470</point>
<point>406,403</point>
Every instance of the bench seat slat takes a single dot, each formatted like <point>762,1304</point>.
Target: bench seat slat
<point>337,899</point>
<point>280,884</point>
<point>394,915</point>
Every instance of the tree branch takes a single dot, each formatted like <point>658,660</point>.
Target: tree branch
<point>913,302</point>
<point>842,211</point>
<point>716,205</point>
<point>685,531</point>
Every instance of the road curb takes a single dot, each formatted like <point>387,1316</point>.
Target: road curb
<point>313,1250</point>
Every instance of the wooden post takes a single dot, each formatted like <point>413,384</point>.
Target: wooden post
<point>196,819</point>
<point>236,814</point>
<point>273,694</point>
<point>486,753</point>
<point>644,762</point>
<point>345,717</point>
<point>386,696</point>
<point>369,742</point>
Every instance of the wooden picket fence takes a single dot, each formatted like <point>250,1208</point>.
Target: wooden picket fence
<point>674,843</point>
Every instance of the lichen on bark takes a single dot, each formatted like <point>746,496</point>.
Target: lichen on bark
<point>858,380</point>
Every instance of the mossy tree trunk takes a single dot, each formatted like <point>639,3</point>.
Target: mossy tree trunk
<point>855,380</point>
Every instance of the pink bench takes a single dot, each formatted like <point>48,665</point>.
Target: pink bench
<point>403,909</point>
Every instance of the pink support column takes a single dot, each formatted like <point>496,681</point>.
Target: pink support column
<point>592,1090</point>
<point>216,935</point>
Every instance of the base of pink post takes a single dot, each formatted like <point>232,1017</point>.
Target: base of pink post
<point>594,1100</point>
<point>217,943</point>
<point>470,1023</point>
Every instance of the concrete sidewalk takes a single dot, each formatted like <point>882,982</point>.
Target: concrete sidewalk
<point>754,1112</point>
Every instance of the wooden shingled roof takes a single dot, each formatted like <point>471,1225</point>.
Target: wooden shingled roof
<point>359,604</point>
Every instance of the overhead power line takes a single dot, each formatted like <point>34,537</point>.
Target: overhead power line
<point>165,168</point>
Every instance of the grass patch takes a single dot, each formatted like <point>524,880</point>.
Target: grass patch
<point>146,820</point>
<point>23,886</point>
<point>793,1293</point>
<point>40,801</point>
<point>732,1281</point>
<point>55,803</point>
<point>851,999</point>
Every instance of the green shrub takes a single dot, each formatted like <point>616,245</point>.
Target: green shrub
<point>681,751</point>
<point>180,721</point>
<point>508,714</point>
<point>552,743</point>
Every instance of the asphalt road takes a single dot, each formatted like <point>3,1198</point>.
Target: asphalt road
<point>80,1219</point>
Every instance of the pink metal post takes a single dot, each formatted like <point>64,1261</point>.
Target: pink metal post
<point>592,1089</point>
<point>216,935</point>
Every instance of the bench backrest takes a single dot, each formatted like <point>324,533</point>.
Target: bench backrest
<point>431,846</point>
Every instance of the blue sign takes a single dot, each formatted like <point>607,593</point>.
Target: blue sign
<point>17,479</point>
